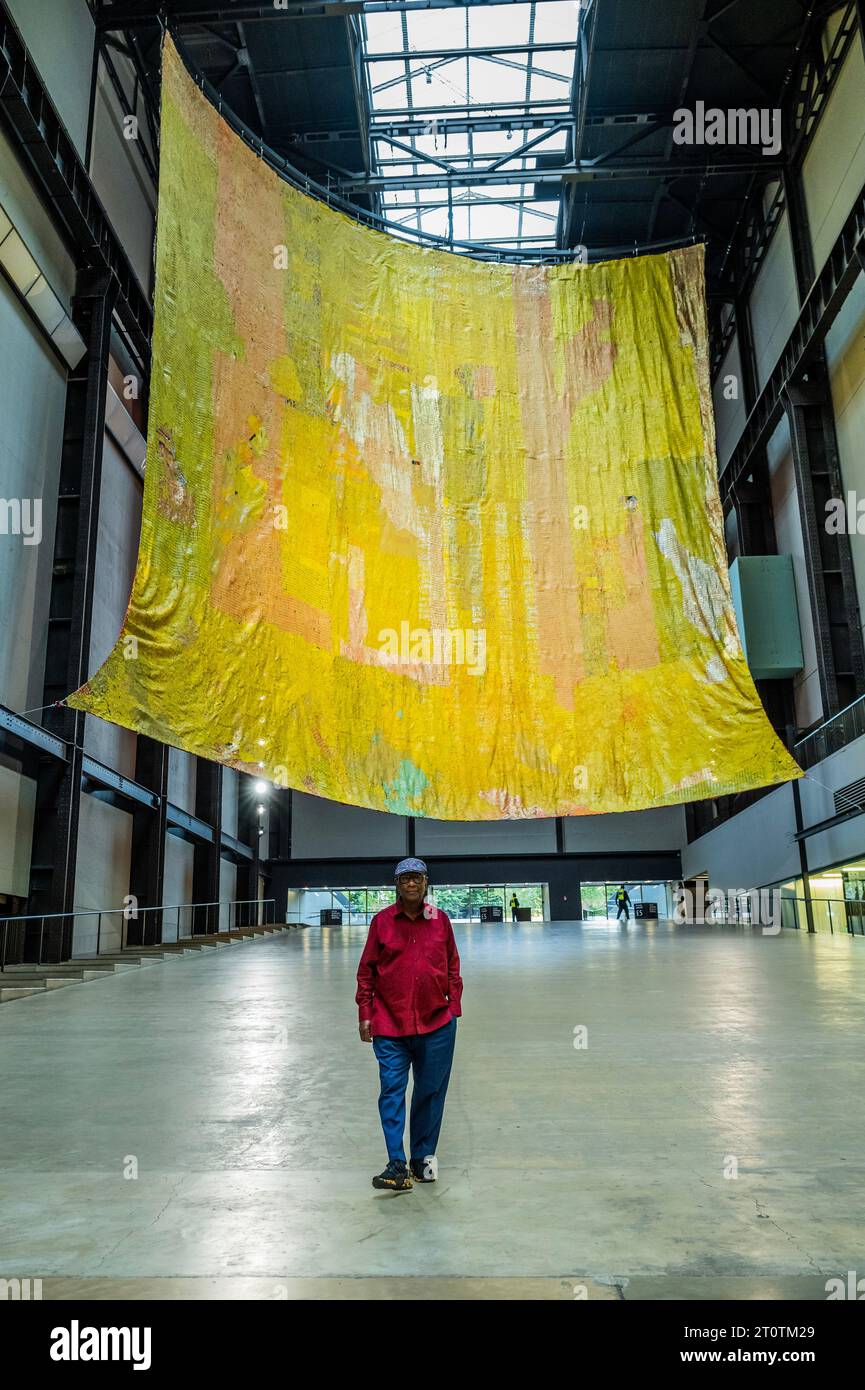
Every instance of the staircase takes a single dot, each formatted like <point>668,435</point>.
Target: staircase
<point>18,981</point>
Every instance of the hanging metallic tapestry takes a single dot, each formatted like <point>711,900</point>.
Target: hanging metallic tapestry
<point>423,533</point>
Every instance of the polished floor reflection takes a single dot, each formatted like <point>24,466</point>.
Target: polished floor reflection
<point>643,1110</point>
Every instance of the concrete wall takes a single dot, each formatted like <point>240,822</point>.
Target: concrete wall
<point>116,551</point>
<point>17,801</point>
<point>774,301</point>
<point>119,176</point>
<point>230,790</point>
<point>834,169</point>
<point>60,36</point>
<point>32,402</point>
<point>324,829</point>
<point>788,533</point>
<point>757,848</point>
<point>227,893</point>
<point>181,780</point>
<point>662,829</point>
<point>845,354</point>
<point>178,883</point>
<point>843,842</point>
<point>752,850</point>
<point>730,415</point>
<point>102,873</point>
<point>434,837</point>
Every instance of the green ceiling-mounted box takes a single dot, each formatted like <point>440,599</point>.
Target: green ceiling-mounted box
<point>764,595</point>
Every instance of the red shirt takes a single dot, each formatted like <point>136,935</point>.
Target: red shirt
<point>408,980</point>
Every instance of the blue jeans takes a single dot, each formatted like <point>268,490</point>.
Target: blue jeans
<point>430,1056</point>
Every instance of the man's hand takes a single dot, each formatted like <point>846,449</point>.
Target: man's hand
<point>365,1030</point>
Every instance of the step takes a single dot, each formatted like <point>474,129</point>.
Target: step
<point>10,992</point>
<point>75,969</point>
<point>35,978</point>
<point>23,978</point>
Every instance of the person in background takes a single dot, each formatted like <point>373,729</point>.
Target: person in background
<point>623,902</point>
<point>409,993</point>
<point>515,902</point>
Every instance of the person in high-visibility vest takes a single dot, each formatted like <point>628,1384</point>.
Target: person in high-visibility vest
<point>515,902</point>
<point>623,902</point>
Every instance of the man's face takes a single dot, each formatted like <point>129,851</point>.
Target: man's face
<point>412,887</point>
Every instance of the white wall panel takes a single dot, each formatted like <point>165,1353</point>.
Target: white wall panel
<point>485,837</point>
<point>181,779</point>
<point>845,354</point>
<point>116,552</point>
<point>788,534</point>
<point>753,849</point>
<point>323,829</point>
<point>774,301</point>
<point>663,829</point>
<point>834,169</point>
<point>102,872</point>
<point>729,414</point>
<point>60,36</point>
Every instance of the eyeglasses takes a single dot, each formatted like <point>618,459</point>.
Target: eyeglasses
<point>411,878</point>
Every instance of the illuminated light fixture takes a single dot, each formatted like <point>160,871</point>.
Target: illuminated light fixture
<point>261,788</point>
<point>260,810</point>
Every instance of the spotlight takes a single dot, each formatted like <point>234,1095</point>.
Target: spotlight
<point>260,810</point>
<point>261,788</point>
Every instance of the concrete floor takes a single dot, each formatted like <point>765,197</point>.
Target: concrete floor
<point>236,1081</point>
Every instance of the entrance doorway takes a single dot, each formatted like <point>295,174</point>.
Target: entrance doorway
<point>599,899</point>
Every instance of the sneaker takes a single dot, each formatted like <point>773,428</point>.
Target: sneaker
<point>395,1177</point>
<point>425,1169</point>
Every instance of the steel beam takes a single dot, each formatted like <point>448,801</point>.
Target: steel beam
<point>828,558</point>
<point>247,830</point>
<point>586,172</point>
<point>430,54</point>
<point>62,182</point>
<point>820,310</point>
<point>149,830</point>
<point>58,785</point>
<point>206,858</point>
<point>129,14</point>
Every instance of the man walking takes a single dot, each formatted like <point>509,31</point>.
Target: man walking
<point>623,903</point>
<point>408,997</point>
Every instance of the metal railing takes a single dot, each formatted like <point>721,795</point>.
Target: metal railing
<point>833,735</point>
<point>147,923</point>
<point>836,916</point>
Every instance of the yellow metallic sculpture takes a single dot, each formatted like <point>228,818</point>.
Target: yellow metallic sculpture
<point>421,533</point>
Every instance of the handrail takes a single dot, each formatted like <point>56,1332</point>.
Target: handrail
<point>267,904</point>
<point>835,733</point>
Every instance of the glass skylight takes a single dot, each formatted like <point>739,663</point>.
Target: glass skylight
<point>464,105</point>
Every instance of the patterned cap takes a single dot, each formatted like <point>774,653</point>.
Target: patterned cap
<point>407,866</point>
